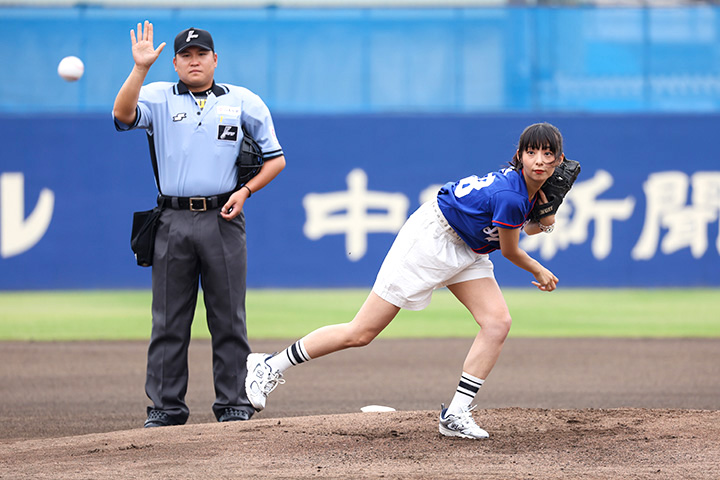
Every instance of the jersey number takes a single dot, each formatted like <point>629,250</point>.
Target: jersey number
<point>468,184</point>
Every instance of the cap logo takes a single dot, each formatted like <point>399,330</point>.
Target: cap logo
<point>191,35</point>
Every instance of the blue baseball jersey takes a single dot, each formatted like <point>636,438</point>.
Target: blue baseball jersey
<point>475,207</point>
<point>195,141</point>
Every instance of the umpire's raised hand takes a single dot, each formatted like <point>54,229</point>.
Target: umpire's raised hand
<point>144,53</point>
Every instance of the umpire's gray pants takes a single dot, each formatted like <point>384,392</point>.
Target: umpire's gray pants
<point>191,245</point>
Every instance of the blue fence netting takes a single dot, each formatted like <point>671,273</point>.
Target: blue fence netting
<point>389,60</point>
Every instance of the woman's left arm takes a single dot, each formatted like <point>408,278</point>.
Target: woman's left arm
<point>544,224</point>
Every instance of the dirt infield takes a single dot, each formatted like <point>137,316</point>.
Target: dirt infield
<point>601,409</point>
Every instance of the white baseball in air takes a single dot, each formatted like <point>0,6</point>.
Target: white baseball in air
<point>71,68</point>
<point>376,408</point>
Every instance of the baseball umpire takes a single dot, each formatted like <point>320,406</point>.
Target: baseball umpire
<point>195,128</point>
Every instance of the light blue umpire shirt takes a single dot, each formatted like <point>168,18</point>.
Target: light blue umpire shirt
<point>195,148</point>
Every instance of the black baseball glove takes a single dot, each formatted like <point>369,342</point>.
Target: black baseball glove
<point>250,159</point>
<point>555,188</point>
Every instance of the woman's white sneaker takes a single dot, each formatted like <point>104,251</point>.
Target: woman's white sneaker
<point>261,379</point>
<point>460,425</point>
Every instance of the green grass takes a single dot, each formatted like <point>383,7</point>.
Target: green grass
<point>288,314</point>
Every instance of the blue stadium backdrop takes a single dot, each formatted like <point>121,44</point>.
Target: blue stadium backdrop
<point>644,210</point>
<point>375,109</point>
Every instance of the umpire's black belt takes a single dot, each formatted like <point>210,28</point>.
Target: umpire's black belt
<point>194,204</point>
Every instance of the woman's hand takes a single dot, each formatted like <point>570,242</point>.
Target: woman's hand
<point>542,198</point>
<point>546,281</point>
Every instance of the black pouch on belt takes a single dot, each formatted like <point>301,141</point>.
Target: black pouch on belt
<point>142,240</point>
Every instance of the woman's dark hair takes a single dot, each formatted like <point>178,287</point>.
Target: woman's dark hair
<point>538,136</point>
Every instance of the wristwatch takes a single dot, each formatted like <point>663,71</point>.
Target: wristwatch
<point>546,228</point>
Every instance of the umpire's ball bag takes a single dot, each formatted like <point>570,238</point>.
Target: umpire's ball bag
<point>142,240</point>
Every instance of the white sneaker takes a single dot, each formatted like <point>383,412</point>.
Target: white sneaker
<point>261,379</point>
<point>461,425</point>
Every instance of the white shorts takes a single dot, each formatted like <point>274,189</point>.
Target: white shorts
<point>427,254</point>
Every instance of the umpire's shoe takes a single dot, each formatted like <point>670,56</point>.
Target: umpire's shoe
<point>233,415</point>
<point>158,418</point>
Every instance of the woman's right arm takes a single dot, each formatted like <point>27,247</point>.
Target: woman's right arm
<point>510,249</point>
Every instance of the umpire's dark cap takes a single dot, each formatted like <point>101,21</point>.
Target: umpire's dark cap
<point>193,37</point>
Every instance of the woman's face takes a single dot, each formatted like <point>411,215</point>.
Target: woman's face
<point>539,163</point>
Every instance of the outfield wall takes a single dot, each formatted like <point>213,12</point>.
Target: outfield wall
<point>644,211</point>
<point>379,106</point>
